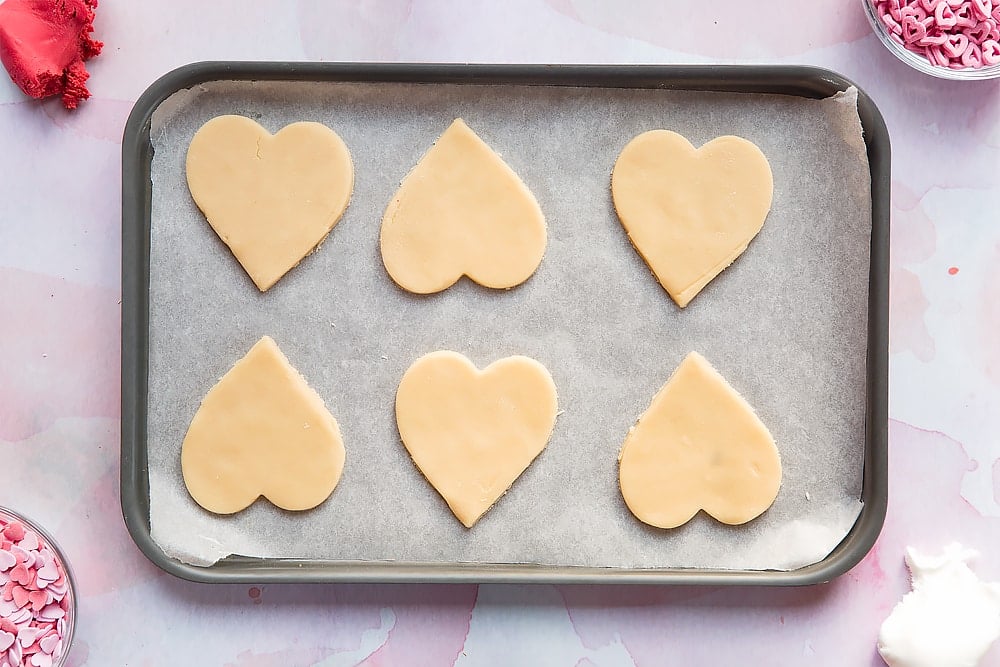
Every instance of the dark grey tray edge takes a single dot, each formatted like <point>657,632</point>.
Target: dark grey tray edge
<point>801,81</point>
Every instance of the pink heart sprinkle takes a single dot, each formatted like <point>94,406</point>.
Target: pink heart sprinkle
<point>27,636</point>
<point>973,56</point>
<point>929,5</point>
<point>931,39</point>
<point>14,531</point>
<point>48,572</point>
<point>41,660</point>
<point>913,10</point>
<point>894,6</point>
<point>991,52</point>
<point>49,642</point>
<point>945,16</point>
<point>982,8</point>
<point>6,640</point>
<point>51,612</point>
<point>20,596</point>
<point>7,560</point>
<point>955,45</point>
<point>964,17</point>
<point>30,541</point>
<point>38,600</point>
<point>21,617</point>
<point>14,654</point>
<point>913,30</point>
<point>890,23</point>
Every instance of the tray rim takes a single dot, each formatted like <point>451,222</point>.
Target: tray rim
<point>803,81</point>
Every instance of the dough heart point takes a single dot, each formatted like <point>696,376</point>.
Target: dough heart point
<point>699,446</point>
<point>470,432</point>
<point>461,211</point>
<point>271,198</point>
<point>690,212</point>
<point>262,431</point>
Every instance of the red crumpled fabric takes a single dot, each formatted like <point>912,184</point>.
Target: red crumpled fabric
<point>44,43</point>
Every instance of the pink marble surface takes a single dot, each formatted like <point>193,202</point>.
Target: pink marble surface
<point>59,357</point>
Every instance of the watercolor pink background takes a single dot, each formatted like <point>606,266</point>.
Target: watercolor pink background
<point>60,324</point>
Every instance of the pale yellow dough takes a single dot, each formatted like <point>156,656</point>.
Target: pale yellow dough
<point>461,211</point>
<point>471,432</point>
<point>271,198</point>
<point>690,212</point>
<point>699,446</point>
<point>262,431</point>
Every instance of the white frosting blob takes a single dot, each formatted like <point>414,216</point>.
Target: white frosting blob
<point>950,619</point>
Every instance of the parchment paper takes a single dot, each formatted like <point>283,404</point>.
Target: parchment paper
<point>785,325</point>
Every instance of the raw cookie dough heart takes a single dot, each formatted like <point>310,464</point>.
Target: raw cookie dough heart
<point>461,211</point>
<point>271,198</point>
<point>262,431</point>
<point>690,213</point>
<point>471,432</point>
<point>699,446</point>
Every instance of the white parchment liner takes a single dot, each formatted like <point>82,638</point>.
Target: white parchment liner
<point>786,325</point>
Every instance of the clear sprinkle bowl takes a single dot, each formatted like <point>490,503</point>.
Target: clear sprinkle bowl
<point>8,515</point>
<point>920,63</point>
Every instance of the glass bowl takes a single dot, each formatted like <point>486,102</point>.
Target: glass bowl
<point>919,62</point>
<point>6,517</point>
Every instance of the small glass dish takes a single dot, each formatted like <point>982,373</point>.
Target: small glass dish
<point>920,63</point>
<point>7,516</point>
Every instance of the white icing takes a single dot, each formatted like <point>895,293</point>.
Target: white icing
<point>950,619</point>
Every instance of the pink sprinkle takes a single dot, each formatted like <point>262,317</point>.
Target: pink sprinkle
<point>982,8</point>
<point>945,16</point>
<point>14,531</point>
<point>929,5</point>
<point>49,642</point>
<point>913,30</point>
<point>973,56</point>
<point>991,52</point>
<point>964,17</point>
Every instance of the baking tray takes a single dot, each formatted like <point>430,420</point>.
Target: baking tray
<point>806,82</point>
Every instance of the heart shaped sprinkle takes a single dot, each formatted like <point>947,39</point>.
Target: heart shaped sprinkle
<point>699,446</point>
<point>913,30</point>
<point>991,52</point>
<point>49,642</point>
<point>20,596</point>
<point>690,212</point>
<point>29,542</point>
<point>261,431</point>
<point>271,198</point>
<point>955,46</point>
<point>944,16</point>
<point>41,660</point>
<point>14,531</point>
<point>473,432</point>
<point>6,640</point>
<point>461,211</point>
<point>7,560</point>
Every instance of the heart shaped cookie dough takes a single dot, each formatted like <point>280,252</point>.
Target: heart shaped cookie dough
<point>461,211</point>
<point>690,212</point>
<point>262,431</point>
<point>699,446</point>
<point>471,432</point>
<point>271,198</point>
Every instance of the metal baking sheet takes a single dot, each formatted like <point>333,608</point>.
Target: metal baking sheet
<point>625,82</point>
